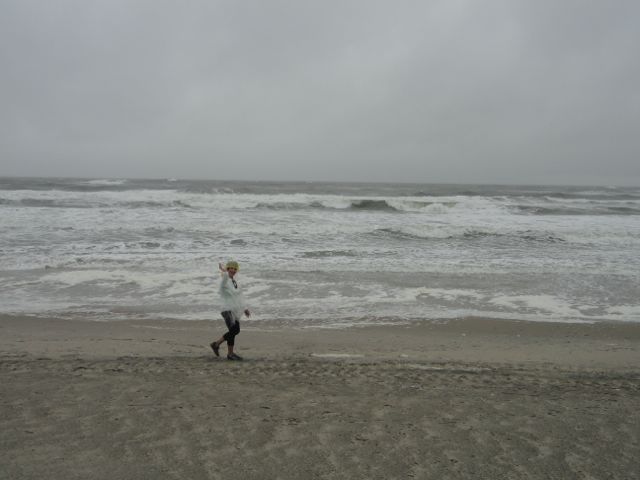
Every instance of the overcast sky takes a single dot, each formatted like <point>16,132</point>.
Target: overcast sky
<point>461,91</point>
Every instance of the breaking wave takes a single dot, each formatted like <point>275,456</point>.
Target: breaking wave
<point>469,235</point>
<point>329,253</point>
<point>399,234</point>
<point>45,203</point>
<point>362,205</point>
<point>291,206</point>
<point>373,205</point>
<point>576,209</point>
<point>90,203</point>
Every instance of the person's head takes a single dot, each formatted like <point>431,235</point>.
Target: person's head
<point>232,267</point>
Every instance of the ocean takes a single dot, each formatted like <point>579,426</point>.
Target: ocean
<point>319,254</point>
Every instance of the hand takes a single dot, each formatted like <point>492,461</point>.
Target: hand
<point>221,267</point>
<point>247,312</point>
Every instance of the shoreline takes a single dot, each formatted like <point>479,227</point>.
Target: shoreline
<point>604,345</point>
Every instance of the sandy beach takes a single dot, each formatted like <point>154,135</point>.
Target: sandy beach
<point>461,399</point>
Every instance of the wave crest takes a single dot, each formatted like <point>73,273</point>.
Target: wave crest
<point>373,205</point>
<point>470,235</point>
<point>630,209</point>
<point>329,253</point>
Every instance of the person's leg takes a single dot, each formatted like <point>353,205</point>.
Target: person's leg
<point>230,336</point>
<point>233,324</point>
<point>215,346</point>
<point>228,320</point>
<point>234,330</point>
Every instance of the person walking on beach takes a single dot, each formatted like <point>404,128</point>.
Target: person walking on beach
<point>232,309</point>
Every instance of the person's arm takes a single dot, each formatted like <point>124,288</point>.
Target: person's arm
<point>224,274</point>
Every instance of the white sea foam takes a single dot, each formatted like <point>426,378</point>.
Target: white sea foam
<point>106,182</point>
<point>452,293</point>
<point>630,313</point>
<point>76,277</point>
<point>541,304</point>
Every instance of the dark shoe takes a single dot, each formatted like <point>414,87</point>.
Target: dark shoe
<point>233,356</point>
<point>216,349</point>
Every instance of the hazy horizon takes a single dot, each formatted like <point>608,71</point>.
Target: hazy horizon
<point>320,180</point>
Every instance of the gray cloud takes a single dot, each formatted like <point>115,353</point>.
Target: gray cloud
<point>444,91</point>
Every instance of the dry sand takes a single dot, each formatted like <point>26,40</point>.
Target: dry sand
<point>464,399</point>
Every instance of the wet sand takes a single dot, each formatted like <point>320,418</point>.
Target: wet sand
<point>463,399</point>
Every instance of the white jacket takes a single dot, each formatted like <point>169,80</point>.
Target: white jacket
<point>231,296</point>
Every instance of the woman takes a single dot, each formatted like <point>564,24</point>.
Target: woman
<point>233,306</point>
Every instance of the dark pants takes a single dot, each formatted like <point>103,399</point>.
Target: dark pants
<point>233,324</point>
